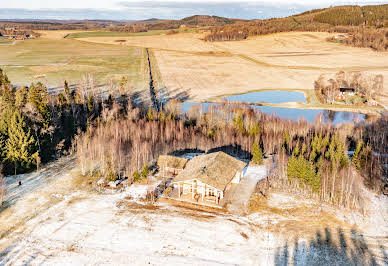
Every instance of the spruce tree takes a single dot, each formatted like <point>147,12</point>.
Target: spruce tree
<point>257,154</point>
<point>21,97</point>
<point>19,148</point>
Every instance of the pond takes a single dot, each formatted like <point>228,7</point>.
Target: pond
<point>335,117</point>
<point>268,97</point>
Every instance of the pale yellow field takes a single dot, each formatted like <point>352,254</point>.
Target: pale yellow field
<point>278,61</point>
<point>56,34</point>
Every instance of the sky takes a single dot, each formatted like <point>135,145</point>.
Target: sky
<point>172,9</point>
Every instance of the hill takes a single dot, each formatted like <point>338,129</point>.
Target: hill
<point>376,15</point>
<point>367,25</point>
<point>193,21</point>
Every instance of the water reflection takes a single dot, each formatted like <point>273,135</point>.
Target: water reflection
<point>268,97</point>
<point>311,115</point>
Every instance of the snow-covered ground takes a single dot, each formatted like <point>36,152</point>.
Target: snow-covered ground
<point>58,224</point>
<point>244,189</point>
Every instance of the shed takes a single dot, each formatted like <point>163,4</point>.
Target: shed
<point>208,177</point>
<point>170,165</point>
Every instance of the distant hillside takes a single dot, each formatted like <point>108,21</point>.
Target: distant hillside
<point>367,25</point>
<point>354,15</point>
<point>194,21</point>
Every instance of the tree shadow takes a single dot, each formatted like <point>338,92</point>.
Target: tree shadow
<point>233,150</point>
<point>328,248</point>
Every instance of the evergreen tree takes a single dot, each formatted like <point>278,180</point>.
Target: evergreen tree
<point>90,103</point>
<point>20,146</point>
<point>123,84</point>
<point>145,171</point>
<point>150,115</point>
<point>38,96</point>
<point>21,97</point>
<point>238,123</point>
<point>67,92</point>
<point>254,129</point>
<point>257,154</point>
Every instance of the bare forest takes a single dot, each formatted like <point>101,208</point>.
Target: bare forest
<point>311,158</point>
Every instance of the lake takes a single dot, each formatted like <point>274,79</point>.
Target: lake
<point>335,117</point>
<point>268,97</point>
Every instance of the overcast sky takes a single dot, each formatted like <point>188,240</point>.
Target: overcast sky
<point>175,9</point>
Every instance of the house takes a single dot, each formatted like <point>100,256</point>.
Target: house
<point>372,102</point>
<point>348,91</point>
<point>170,165</point>
<point>207,178</point>
<point>339,98</point>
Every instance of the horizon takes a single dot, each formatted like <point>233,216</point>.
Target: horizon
<point>174,10</point>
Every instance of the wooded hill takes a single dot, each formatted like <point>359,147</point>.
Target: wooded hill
<point>366,25</point>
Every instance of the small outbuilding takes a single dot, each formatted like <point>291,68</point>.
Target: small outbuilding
<point>348,91</point>
<point>208,177</point>
<point>170,165</point>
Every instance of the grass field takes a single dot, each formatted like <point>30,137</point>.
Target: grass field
<point>277,61</point>
<point>52,60</point>
<point>89,34</point>
<point>4,40</point>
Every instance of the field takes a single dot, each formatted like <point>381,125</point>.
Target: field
<point>52,59</point>
<point>278,61</point>
<point>89,34</point>
<point>4,40</point>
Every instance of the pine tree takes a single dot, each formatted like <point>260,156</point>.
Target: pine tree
<point>257,154</point>
<point>19,147</point>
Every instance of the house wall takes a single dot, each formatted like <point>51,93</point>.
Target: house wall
<point>237,178</point>
<point>191,188</point>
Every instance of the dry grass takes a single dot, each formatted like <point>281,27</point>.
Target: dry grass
<point>277,61</point>
<point>291,215</point>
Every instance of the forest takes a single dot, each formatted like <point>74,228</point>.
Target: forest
<point>311,158</point>
<point>37,127</point>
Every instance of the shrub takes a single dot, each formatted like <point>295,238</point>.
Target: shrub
<point>136,176</point>
<point>145,171</point>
